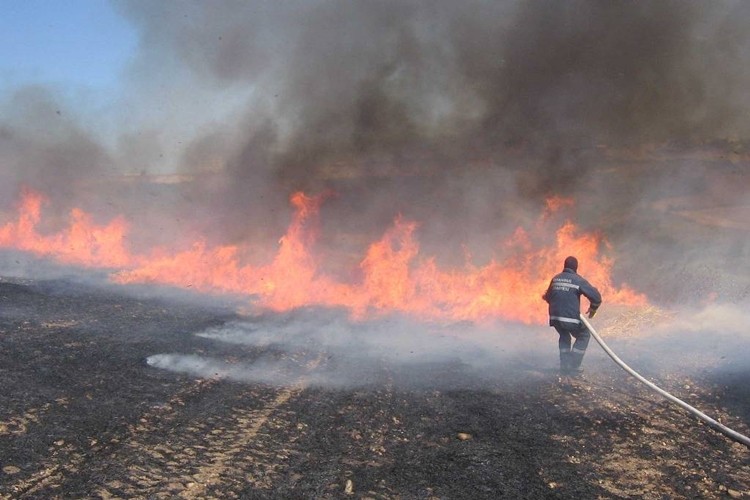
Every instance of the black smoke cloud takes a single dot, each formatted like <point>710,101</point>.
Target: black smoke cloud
<point>461,115</point>
<point>407,103</point>
<point>352,87</point>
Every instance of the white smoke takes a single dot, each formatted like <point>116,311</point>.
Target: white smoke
<point>326,348</point>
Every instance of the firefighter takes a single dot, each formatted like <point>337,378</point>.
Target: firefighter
<point>564,298</point>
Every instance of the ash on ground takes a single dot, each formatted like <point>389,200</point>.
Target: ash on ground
<point>113,395</point>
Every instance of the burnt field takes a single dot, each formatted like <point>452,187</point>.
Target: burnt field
<point>84,414</point>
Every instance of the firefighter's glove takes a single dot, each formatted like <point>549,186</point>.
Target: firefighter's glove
<point>591,312</point>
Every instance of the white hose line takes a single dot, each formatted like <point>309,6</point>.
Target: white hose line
<point>740,438</point>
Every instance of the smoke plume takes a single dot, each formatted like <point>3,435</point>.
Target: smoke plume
<point>390,87</point>
<point>324,348</point>
<point>462,116</point>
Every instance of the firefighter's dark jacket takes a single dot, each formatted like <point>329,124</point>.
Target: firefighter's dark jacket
<point>564,298</point>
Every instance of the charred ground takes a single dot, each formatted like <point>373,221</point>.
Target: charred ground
<point>84,416</point>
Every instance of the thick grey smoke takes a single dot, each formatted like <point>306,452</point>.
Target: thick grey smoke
<point>454,114</point>
<point>460,115</point>
<point>44,147</point>
<point>390,87</point>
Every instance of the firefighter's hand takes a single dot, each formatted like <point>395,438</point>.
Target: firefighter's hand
<point>591,312</point>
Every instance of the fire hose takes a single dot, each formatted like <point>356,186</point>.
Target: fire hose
<point>732,434</point>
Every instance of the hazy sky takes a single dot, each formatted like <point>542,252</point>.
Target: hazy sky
<point>76,43</point>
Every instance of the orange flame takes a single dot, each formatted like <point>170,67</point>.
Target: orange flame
<point>395,277</point>
<point>84,243</point>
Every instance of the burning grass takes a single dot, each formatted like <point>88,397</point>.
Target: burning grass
<point>395,276</point>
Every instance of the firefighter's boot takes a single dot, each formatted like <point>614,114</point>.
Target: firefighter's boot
<point>575,359</point>
<point>565,363</point>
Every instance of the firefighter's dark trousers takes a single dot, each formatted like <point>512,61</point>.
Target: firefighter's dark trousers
<point>571,357</point>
